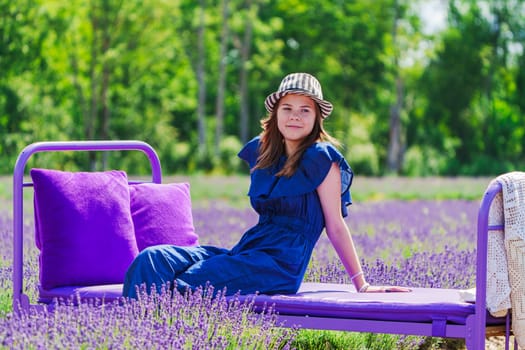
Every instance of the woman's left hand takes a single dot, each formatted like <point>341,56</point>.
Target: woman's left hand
<point>387,289</point>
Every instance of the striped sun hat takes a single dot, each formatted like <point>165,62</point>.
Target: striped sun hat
<point>302,84</point>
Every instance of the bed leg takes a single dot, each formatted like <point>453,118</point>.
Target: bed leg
<point>474,338</point>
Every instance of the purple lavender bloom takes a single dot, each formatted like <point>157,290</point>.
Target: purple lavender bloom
<point>411,243</point>
<point>419,243</point>
<point>181,321</point>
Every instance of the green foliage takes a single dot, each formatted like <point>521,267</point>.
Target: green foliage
<point>128,70</point>
<point>335,340</point>
<point>228,160</point>
<point>468,117</point>
<point>423,161</point>
<point>6,301</point>
<point>484,164</point>
<point>361,152</point>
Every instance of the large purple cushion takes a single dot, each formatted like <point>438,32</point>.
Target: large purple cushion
<point>162,214</point>
<point>83,227</point>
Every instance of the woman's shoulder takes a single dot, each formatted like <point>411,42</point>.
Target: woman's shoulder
<point>323,151</point>
<point>250,151</point>
<point>318,160</point>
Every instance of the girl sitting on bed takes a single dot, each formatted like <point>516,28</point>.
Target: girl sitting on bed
<point>300,184</point>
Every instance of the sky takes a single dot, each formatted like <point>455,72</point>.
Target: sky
<point>433,15</point>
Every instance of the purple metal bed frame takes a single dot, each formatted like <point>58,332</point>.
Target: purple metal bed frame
<point>424,312</point>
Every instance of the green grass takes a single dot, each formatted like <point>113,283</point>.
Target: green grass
<point>431,188</point>
<point>338,340</point>
<point>363,188</point>
<point>234,188</point>
<point>5,302</point>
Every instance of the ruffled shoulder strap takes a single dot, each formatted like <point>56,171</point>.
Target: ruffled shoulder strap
<point>317,162</point>
<point>315,165</point>
<point>250,151</point>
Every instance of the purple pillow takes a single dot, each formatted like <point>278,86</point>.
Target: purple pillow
<point>83,227</point>
<point>162,214</point>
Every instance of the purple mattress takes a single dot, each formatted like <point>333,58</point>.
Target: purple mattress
<point>342,301</point>
<point>330,300</point>
<point>106,293</point>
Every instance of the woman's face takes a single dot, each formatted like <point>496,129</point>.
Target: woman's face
<point>295,119</point>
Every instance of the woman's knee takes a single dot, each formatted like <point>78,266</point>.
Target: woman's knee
<point>145,260</point>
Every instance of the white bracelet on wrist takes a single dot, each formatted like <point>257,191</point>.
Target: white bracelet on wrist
<point>356,275</point>
<point>364,287</point>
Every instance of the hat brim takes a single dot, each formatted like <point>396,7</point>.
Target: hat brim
<point>325,106</point>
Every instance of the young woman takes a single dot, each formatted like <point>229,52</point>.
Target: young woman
<point>300,185</point>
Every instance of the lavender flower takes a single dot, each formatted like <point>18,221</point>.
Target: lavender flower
<point>419,243</point>
<point>194,320</point>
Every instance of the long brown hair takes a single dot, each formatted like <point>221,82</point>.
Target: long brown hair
<point>271,146</point>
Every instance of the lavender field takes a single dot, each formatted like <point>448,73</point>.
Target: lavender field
<point>418,233</point>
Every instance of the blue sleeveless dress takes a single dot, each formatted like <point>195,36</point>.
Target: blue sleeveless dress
<point>272,256</point>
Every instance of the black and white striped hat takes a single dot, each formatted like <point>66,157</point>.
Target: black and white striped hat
<point>302,84</point>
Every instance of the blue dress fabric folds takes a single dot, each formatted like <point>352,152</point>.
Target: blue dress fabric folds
<point>272,256</point>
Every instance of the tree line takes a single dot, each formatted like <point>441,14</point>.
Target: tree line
<point>190,77</point>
